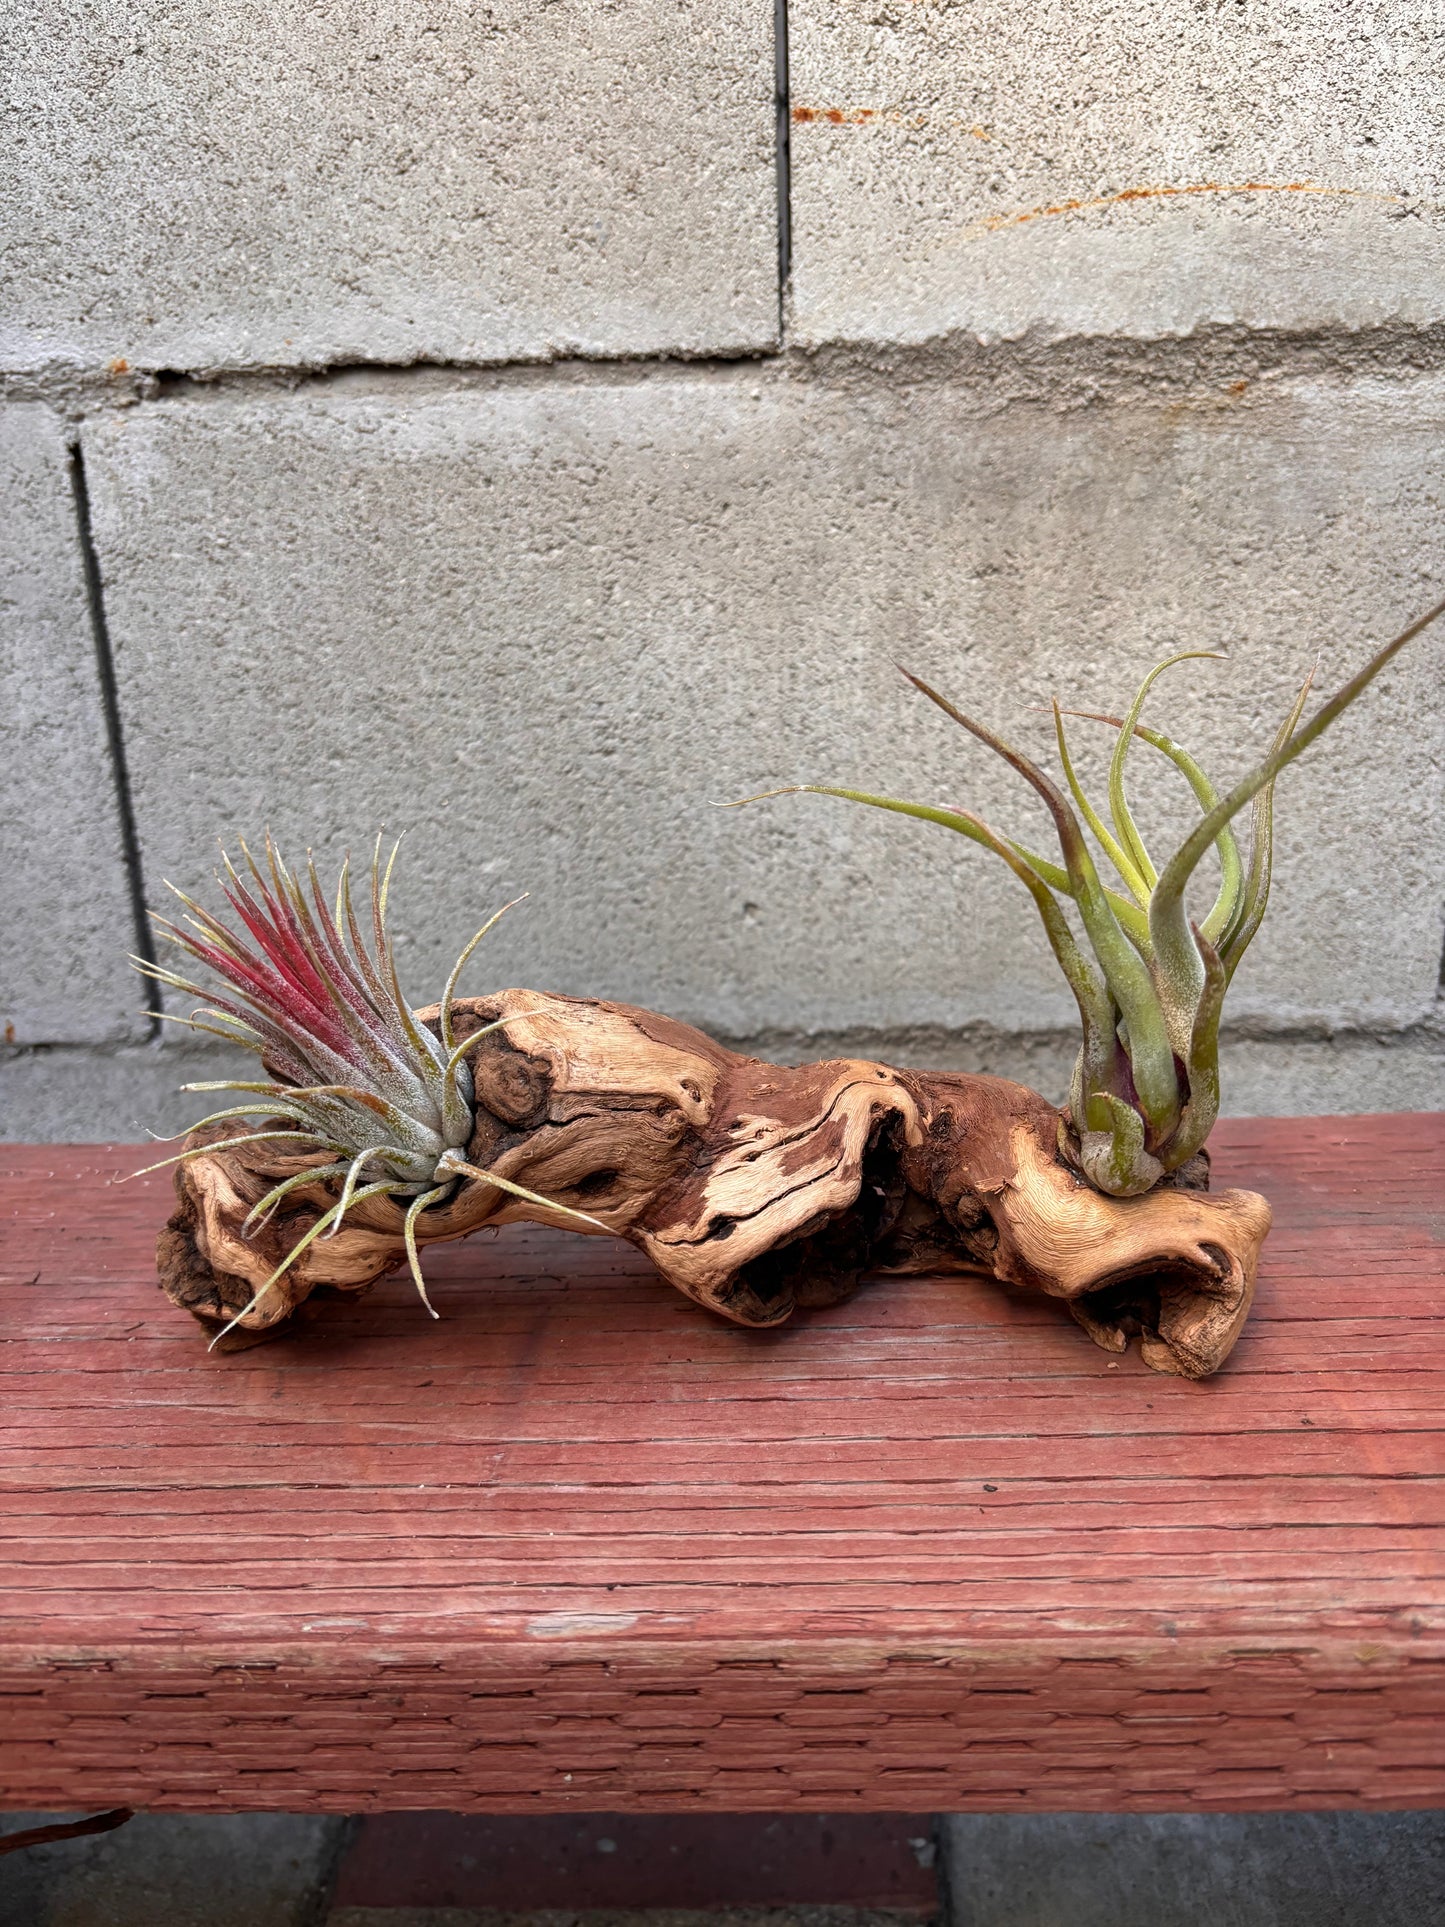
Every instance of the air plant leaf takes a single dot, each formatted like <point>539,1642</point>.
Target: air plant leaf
<point>1197,1119</point>
<point>227,1144</point>
<point>1150,1051</point>
<point>1114,1158</point>
<point>1166,905</point>
<point>1145,1090</point>
<point>1248,913</point>
<point>413,1212</point>
<point>1122,861</point>
<point>454,1166</point>
<point>1231,869</point>
<point>1118,799</point>
<point>262,1212</point>
<point>386,1106</point>
<point>327,1218</point>
<point>1132,919</point>
<point>444,1022</point>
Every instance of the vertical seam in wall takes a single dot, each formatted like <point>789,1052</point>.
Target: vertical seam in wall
<point>114,735</point>
<point>318,1903</point>
<point>781,92</point>
<point>950,1900</point>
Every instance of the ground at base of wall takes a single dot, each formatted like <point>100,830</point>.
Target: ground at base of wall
<point>625,1917</point>
<point>610,1870</point>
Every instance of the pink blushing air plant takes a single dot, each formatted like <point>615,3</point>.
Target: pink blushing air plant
<point>353,1072</point>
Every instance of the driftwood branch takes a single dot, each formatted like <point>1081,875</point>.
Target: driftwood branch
<point>753,1188</point>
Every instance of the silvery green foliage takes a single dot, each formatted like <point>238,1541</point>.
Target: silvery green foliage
<point>1148,980</point>
<point>354,1075</point>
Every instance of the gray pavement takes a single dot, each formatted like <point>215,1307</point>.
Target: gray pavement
<point>1196,1870</point>
<point>174,1870</point>
<point>1047,1870</point>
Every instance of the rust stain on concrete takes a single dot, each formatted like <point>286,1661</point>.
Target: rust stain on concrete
<point>839,116</point>
<point>881,116</point>
<point>993,222</point>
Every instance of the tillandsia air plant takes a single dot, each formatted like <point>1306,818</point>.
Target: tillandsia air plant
<point>382,1099</point>
<point>753,1188</point>
<point>1148,979</point>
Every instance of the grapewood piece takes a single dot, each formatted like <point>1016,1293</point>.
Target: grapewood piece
<point>587,1547</point>
<point>753,1188</point>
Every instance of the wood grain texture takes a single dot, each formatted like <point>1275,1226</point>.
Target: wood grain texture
<point>582,1545</point>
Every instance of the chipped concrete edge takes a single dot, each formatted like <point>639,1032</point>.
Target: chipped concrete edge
<point>1038,365</point>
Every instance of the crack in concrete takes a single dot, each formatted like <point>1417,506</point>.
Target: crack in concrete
<point>782,93</point>
<point>114,731</point>
<point>1062,371</point>
<point>993,222</point>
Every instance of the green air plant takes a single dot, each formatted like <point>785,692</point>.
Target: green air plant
<point>1149,980</point>
<point>386,1103</point>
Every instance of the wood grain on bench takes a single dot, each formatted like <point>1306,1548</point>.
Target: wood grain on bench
<point>582,1545</point>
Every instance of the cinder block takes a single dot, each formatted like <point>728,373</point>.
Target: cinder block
<point>1137,168</point>
<point>547,630</point>
<point>67,923</point>
<point>107,1094</point>
<point>245,185</point>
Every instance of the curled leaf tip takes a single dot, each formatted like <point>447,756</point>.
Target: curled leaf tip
<point>789,789</point>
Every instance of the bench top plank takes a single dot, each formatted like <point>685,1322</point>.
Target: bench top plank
<point>583,1497</point>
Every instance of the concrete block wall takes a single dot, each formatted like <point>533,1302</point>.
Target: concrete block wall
<point>1132,169</point>
<point>531,425</point>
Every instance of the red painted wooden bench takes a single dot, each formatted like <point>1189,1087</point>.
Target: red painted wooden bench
<point>580,1545</point>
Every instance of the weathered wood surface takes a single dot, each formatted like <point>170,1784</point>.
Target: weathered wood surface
<point>754,1188</point>
<point>583,1544</point>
